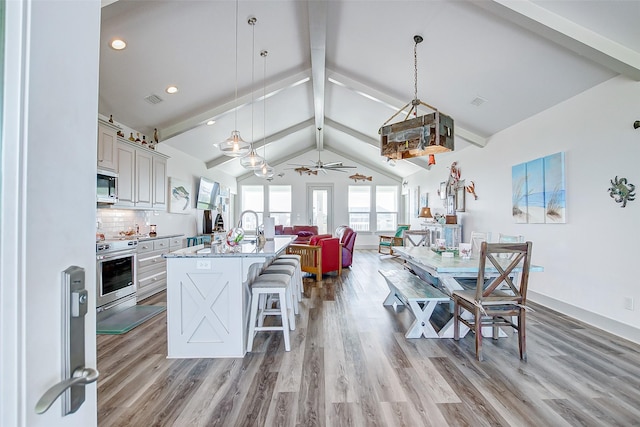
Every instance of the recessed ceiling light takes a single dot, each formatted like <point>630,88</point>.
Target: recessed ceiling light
<point>211,122</point>
<point>172,89</point>
<point>118,44</point>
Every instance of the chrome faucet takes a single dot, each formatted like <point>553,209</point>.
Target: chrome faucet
<point>259,237</point>
<point>248,212</point>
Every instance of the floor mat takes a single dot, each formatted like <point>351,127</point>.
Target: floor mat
<point>128,319</point>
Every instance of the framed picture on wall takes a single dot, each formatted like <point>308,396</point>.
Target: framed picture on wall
<point>443,190</point>
<point>460,190</point>
<point>179,196</point>
<point>424,200</point>
<point>451,205</point>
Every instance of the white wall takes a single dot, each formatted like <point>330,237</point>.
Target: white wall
<point>588,260</point>
<point>340,182</point>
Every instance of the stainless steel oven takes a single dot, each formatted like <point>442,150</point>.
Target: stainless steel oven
<point>116,274</point>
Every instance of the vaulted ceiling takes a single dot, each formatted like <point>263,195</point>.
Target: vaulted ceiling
<point>346,66</point>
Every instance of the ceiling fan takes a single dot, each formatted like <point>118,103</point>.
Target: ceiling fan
<point>314,167</point>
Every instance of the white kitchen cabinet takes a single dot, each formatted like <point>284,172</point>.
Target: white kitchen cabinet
<point>107,146</point>
<point>144,179</point>
<point>126,175</point>
<point>142,176</point>
<point>159,175</point>
<point>151,274</point>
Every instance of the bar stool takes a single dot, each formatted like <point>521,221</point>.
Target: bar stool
<point>290,271</point>
<point>264,286</point>
<point>292,259</point>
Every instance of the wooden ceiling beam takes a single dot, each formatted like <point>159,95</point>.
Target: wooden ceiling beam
<point>233,105</point>
<point>318,45</point>
<point>568,34</point>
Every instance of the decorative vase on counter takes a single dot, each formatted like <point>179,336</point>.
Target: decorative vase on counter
<point>235,236</point>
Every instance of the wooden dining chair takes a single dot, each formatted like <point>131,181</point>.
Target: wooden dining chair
<point>477,237</point>
<point>507,238</point>
<point>495,302</point>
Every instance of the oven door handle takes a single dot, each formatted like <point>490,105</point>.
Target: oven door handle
<point>115,255</point>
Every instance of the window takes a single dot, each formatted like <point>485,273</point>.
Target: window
<point>252,199</point>
<point>359,207</point>
<point>386,207</point>
<point>280,204</point>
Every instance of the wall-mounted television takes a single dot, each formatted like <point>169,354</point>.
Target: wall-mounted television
<point>208,192</point>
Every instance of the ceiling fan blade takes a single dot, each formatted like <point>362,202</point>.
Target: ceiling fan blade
<point>341,167</point>
<point>332,164</point>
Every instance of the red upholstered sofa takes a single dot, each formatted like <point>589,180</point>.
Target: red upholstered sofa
<point>322,255</point>
<point>304,232</point>
<point>348,240</point>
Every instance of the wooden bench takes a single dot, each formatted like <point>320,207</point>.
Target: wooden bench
<point>408,289</point>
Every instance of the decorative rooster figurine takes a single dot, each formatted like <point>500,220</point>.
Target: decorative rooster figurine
<point>471,189</point>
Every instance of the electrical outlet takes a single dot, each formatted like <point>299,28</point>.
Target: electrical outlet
<point>203,264</point>
<point>628,303</point>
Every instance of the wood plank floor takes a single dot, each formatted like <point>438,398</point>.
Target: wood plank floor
<point>350,365</point>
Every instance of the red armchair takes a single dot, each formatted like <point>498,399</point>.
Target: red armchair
<point>348,240</point>
<point>322,255</point>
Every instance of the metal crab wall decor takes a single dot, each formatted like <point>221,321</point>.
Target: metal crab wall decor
<point>621,191</point>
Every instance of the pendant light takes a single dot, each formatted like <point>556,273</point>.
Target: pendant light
<point>252,161</point>
<point>265,171</point>
<point>235,146</point>
<point>428,134</point>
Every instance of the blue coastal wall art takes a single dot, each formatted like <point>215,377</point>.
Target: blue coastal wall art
<point>538,191</point>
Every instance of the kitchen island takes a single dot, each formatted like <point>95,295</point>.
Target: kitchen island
<point>208,297</point>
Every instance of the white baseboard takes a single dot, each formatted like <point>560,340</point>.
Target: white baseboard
<point>613,326</point>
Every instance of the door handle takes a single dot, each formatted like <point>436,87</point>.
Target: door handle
<point>81,377</point>
<point>75,376</point>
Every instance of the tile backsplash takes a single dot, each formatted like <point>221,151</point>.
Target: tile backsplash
<point>111,222</point>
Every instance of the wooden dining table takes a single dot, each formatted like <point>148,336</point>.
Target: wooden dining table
<point>443,272</point>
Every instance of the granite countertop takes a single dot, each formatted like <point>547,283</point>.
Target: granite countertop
<point>145,238</point>
<point>244,250</point>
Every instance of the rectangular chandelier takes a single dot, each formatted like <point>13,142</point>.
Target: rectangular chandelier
<point>428,134</point>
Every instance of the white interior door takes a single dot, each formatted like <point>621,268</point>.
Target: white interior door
<point>320,207</point>
<point>47,198</point>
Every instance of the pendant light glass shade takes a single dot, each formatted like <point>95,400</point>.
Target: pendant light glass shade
<point>235,146</point>
<point>252,161</point>
<point>265,171</point>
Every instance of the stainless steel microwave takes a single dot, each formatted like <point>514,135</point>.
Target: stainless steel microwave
<point>107,187</point>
